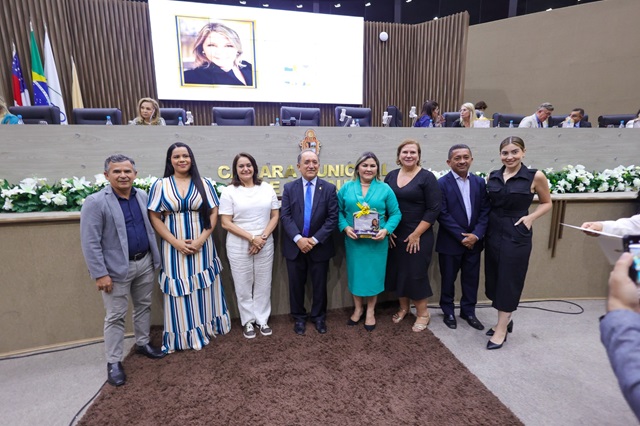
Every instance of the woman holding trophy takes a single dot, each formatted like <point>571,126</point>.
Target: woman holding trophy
<point>368,214</point>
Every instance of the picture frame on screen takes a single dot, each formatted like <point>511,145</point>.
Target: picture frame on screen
<point>211,52</point>
<point>216,52</point>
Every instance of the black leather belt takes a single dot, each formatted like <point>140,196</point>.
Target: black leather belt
<point>138,256</point>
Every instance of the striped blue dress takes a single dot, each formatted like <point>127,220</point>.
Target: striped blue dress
<point>195,309</point>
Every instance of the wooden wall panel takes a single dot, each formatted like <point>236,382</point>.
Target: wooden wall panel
<point>110,41</point>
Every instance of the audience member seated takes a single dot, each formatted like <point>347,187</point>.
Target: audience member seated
<point>467,116</point>
<point>227,116</point>
<point>430,115</point>
<point>362,115</point>
<point>96,116</point>
<point>171,116</point>
<point>41,114</point>
<point>539,119</point>
<point>576,118</point>
<point>148,113</point>
<point>5,116</point>
<point>481,108</point>
<point>635,122</point>
<point>303,116</point>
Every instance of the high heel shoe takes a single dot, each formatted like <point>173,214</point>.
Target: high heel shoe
<point>491,345</point>
<point>369,328</point>
<point>421,326</point>
<point>352,323</point>
<point>509,329</point>
<point>399,316</point>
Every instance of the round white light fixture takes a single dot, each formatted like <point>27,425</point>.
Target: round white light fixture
<point>384,36</point>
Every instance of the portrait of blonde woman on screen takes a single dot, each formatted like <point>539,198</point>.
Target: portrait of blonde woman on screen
<point>218,53</point>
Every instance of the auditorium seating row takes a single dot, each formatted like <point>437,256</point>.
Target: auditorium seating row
<point>293,116</point>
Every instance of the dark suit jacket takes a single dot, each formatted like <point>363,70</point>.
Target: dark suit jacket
<point>324,219</point>
<point>453,216</point>
<point>213,74</point>
<point>583,123</point>
<point>103,234</point>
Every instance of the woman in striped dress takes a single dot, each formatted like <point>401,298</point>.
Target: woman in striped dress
<point>183,210</point>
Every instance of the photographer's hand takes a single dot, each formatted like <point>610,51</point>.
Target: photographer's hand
<point>623,293</point>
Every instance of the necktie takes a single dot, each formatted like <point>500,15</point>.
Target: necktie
<point>308,201</point>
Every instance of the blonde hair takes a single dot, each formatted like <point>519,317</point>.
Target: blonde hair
<point>155,117</point>
<point>3,108</point>
<point>201,38</point>
<point>472,115</point>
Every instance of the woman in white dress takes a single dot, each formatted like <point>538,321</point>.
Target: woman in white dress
<point>249,211</point>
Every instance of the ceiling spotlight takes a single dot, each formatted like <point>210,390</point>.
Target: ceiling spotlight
<point>243,1</point>
<point>299,6</point>
<point>337,5</point>
<point>435,19</point>
<point>408,1</point>
<point>549,10</point>
<point>265,4</point>
<point>367,4</point>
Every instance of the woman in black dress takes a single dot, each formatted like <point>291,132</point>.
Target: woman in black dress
<point>411,244</point>
<point>508,238</point>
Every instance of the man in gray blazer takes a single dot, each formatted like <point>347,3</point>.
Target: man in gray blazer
<point>120,250</point>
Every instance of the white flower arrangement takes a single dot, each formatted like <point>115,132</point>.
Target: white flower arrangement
<point>68,194</point>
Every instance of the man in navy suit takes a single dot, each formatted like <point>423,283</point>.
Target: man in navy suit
<point>463,222</point>
<point>309,215</point>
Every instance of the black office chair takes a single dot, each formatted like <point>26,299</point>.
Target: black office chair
<point>450,117</point>
<point>363,115</point>
<point>612,120</point>
<point>234,116</point>
<point>96,116</point>
<point>172,116</point>
<point>557,120</point>
<point>503,120</point>
<point>396,116</point>
<point>36,114</point>
<point>303,116</point>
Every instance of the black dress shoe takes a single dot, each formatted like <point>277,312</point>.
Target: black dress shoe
<point>450,321</point>
<point>115,374</point>
<point>473,321</point>
<point>509,329</point>
<point>369,328</point>
<point>491,345</point>
<point>150,351</point>
<point>321,326</point>
<point>299,327</point>
<point>351,322</point>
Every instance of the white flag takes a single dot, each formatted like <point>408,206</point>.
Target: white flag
<point>51,73</point>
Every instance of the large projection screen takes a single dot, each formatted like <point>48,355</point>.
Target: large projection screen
<point>210,52</point>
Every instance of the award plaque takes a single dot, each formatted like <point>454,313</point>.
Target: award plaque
<point>366,225</point>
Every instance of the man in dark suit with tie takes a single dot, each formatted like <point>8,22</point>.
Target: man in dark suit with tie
<point>309,215</point>
<point>575,119</point>
<point>463,222</point>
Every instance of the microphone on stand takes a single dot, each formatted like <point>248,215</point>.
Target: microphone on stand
<point>344,117</point>
<point>413,116</point>
<point>386,119</point>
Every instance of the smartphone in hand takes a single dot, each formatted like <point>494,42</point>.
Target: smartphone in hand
<point>632,245</point>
